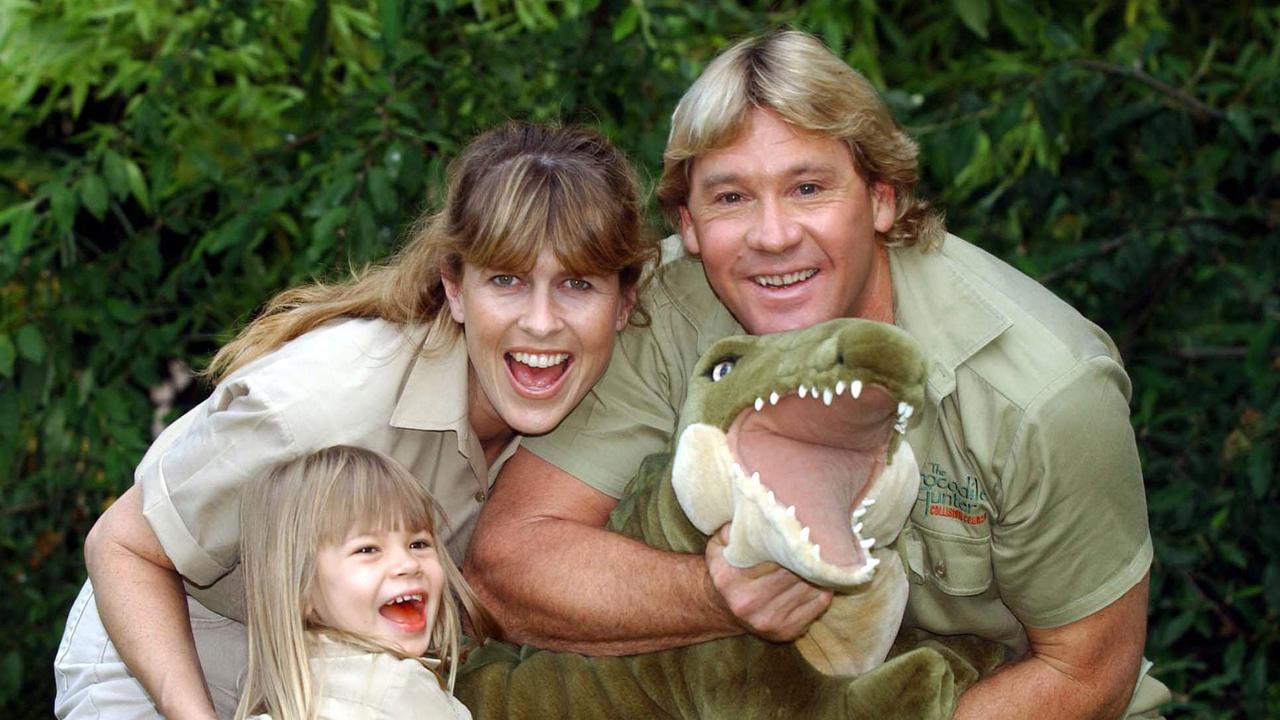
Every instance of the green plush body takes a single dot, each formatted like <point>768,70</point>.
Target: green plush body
<point>742,426</point>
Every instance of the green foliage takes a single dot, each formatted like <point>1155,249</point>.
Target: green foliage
<point>165,167</point>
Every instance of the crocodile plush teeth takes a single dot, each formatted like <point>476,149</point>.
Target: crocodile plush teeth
<point>539,360</point>
<point>802,391</point>
<point>855,389</point>
<point>859,512</point>
<point>868,543</point>
<point>773,398</point>
<point>759,404</point>
<point>827,396</point>
<point>839,387</point>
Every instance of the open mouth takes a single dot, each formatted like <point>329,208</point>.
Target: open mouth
<point>810,456</point>
<point>784,280</point>
<point>537,373</point>
<point>407,611</point>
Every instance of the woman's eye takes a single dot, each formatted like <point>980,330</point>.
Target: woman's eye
<point>720,369</point>
<point>577,284</point>
<point>503,280</point>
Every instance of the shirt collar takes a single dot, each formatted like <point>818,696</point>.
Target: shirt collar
<point>434,396</point>
<point>938,302</point>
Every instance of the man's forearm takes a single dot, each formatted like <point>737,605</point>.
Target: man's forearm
<point>143,607</point>
<point>1026,687</point>
<point>564,585</point>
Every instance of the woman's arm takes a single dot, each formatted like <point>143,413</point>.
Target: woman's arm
<point>143,606</point>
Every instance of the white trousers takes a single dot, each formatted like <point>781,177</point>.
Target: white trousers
<point>93,682</point>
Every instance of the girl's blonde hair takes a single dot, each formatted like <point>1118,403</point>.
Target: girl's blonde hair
<point>300,507</point>
<point>793,74</point>
<point>516,190</point>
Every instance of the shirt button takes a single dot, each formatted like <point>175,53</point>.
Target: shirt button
<point>480,496</point>
<point>940,569</point>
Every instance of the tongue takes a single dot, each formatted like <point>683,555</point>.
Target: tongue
<point>536,378</point>
<point>406,613</point>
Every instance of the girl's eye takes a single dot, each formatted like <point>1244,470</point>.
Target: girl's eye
<point>577,284</point>
<point>420,545</point>
<point>366,550</point>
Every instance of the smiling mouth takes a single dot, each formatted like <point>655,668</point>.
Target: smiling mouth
<point>408,611</point>
<point>537,372</point>
<point>784,280</point>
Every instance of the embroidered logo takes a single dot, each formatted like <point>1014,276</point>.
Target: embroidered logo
<point>944,496</point>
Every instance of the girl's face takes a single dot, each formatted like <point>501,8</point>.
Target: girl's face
<point>381,585</point>
<point>537,340</point>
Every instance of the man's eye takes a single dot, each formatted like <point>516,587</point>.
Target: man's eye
<point>808,189</point>
<point>730,197</point>
<point>577,284</point>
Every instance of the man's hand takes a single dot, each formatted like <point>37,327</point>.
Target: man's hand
<point>767,600</point>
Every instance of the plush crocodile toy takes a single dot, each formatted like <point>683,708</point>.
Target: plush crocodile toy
<point>796,439</point>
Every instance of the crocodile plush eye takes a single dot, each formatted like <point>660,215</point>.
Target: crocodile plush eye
<point>720,369</point>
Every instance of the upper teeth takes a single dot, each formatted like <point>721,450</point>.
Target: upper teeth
<point>415,597</point>
<point>828,394</point>
<point>787,279</point>
<point>540,360</point>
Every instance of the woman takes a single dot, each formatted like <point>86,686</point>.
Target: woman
<point>494,321</point>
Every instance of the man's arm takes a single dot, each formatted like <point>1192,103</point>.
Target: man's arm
<point>552,576</point>
<point>143,607</point>
<point>1084,669</point>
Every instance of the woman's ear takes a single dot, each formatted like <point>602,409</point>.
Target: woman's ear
<point>625,307</point>
<point>453,291</point>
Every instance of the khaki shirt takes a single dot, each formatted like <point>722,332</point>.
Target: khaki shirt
<point>1031,507</point>
<point>350,382</point>
<point>353,684</point>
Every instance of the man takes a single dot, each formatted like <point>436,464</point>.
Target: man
<point>793,186</point>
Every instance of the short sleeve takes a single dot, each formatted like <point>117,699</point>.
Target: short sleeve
<point>1072,534</point>
<point>629,414</point>
<point>192,476</point>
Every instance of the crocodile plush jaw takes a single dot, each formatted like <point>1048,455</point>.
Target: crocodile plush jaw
<point>797,441</point>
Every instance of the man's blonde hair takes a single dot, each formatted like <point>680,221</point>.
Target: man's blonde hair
<point>793,74</point>
<point>285,518</point>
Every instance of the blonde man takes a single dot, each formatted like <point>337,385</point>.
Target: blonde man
<point>792,187</point>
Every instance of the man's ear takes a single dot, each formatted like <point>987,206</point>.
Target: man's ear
<point>884,206</point>
<point>688,235</point>
<point>453,292</point>
<point>625,307</point>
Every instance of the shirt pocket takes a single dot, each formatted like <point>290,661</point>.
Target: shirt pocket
<point>955,564</point>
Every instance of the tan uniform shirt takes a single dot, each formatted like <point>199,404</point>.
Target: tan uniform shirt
<point>1031,507</point>
<point>350,382</point>
<point>354,684</point>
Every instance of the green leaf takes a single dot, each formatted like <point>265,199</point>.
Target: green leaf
<point>113,168</point>
<point>138,184</point>
<point>380,191</point>
<point>124,311</point>
<point>93,193</point>
<point>21,226</point>
<point>63,204</point>
<point>30,344</point>
<point>626,22</point>
<point>7,355</point>
<point>391,12</point>
<point>1019,18</point>
<point>975,14</point>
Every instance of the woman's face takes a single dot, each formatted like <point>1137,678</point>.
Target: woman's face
<point>537,340</point>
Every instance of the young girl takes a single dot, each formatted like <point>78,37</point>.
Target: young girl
<point>347,592</point>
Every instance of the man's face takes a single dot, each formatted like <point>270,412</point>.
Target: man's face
<point>786,228</point>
